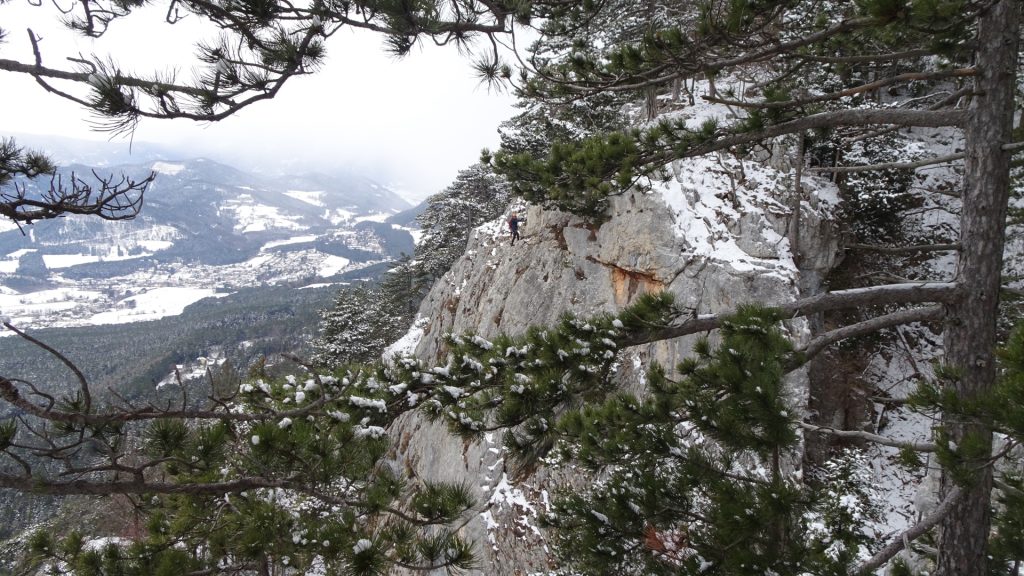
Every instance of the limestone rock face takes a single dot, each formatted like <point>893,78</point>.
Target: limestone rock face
<point>712,241</point>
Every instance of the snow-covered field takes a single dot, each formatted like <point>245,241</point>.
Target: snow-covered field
<point>64,307</point>
<point>153,305</point>
<point>309,197</point>
<point>251,216</point>
<point>163,290</point>
<point>23,309</point>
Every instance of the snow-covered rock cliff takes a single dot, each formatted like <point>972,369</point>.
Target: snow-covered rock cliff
<point>715,235</point>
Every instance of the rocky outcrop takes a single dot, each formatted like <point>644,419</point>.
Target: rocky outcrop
<point>712,239</point>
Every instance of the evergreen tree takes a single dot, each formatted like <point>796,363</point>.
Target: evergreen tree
<point>355,329</point>
<point>365,320</point>
<point>476,196</point>
<point>401,291</point>
<point>691,477</point>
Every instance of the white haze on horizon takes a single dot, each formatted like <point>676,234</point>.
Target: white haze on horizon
<point>411,124</point>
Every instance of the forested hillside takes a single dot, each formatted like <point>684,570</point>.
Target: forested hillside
<point>137,355</point>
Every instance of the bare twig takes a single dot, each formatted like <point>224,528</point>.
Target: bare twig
<point>83,383</point>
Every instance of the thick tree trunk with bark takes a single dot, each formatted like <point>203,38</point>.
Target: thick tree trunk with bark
<point>970,334</point>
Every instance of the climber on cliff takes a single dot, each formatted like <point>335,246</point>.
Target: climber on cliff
<point>513,227</point>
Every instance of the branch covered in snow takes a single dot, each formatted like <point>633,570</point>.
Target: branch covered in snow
<point>310,454</point>
<point>904,249</point>
<point>822,341</point>
<point>864,435</point>
<point>860,89</point>
<point>889,165</point>
<point>904,293</point>
<point>886,554</point>
<point>10,393</point>
<point>855,117</point>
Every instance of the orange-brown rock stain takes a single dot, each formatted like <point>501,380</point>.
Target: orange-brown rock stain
<point>627,284</point>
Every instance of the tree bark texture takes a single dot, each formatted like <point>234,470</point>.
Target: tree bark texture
<point>970,334</point>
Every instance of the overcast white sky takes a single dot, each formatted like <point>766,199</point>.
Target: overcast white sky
<point>412,123</point>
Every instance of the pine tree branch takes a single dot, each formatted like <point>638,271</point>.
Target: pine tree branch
<point>866,58</point>
<point>907,77</point>
<point>37,485</point>
<point>785,47</point>
<point>999,483</point>
<point>818,344</point>
<point>39,71</point>
<point>904,249</point>
<point>760,54</point>
<point>212,100</point>
<point>126,112</point>
<point>898,543</point>
<point>888,165</point>
<point>861,117</point>
<point>245,568</point>
<point>10,393</point>
<point>910,293</point>
<point>875,438</point>
<point>886,277</point>
<point>1012,290</point>
<point>391,510</point>
<point>951,99</point>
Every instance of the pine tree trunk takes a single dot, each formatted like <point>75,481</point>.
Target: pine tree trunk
<point>970,334</point>
<point>651,98</point>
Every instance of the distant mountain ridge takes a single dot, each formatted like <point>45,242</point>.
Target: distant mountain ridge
<point>222,262</point>
<point>205,225</point>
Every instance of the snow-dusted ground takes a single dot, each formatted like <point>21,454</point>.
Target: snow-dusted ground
<point>377,217</point>
<point>167,168</point>
<point>153,305</point>
<point>120,299</point>
<point>332,265</point>
<point>314,197</point>
<point>251,216</point>
<point>287,241</point>
<point>163,290</point>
